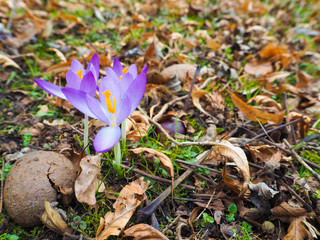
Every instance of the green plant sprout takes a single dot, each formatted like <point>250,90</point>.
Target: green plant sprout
<point>78,223</point>
<point>232,212</point>
<point>206,219</point>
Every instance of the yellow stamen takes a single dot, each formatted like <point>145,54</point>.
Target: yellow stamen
<point>79,73</point>
<point>111,107</point>
<point>124,71</point>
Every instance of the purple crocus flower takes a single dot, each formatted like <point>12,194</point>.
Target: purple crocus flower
<point>77,78</point>
<point>120,93</point>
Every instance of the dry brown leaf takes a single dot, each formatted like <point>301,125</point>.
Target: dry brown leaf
<point>264,153</point>
<point>255,114</point>
<point>165,161</point>
<point>196,95</point>
<point>304,79</point>
<point>271,50</point>
<point>130,197</point>
<point>87,182</point>
<point>181,71</point>
<point>52,219</point>
<point>256,67</point>
<point>6,61</point>
<point>298,230</point>
<point>59,54</point>
<point>265,101</point>
<point>285,210</point>
<point>236,155</point>
<point>144,232</point>
<point>301,128</point>
<point>137,126</point>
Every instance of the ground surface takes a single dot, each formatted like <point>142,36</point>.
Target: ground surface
<point>235,82</point>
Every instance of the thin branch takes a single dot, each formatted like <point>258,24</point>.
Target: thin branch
<point>295,194</point>
<point>159,179</point>
<point>148,210</point>
<point>300,160</point>
<point>274,129</point>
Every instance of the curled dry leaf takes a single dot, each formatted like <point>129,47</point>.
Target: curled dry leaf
<point>165,161</point>
<point>254,114</point>
<point>300,127</point>
<point>236,155</point>
<point>298,230</point>
<point>130,197</point>
<point>196,95</point>
<point>265,101</point>
<point>137,126</point>
<point>52,219</point>
<point>87,182</point>
<point>6,61</point>
<point>59,54</point>
<point>144,232</point>
<point>263,190</point>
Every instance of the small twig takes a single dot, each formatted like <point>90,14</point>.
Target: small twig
<point>186,105</point>
<point>274,129</point>
<point>171,224</point>
<point>148,210</point>
<point>210,200</point>
<point>295,194</point>
<point>163,180</point>
<point>292,132</point>
<point>165,107</point>
<point>300,160</point>
<point>203,167</point>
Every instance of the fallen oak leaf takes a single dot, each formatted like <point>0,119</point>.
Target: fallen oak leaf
<point>144,232</point>
<point>87,182</point>
<point>130,197</point>
<point>255,114</point>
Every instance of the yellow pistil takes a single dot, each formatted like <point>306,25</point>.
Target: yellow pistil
<point>79,73</point>
<point>123,73</point>
<point>111,107</point>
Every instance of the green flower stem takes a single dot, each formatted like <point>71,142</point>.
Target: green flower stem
<point>117,160</point>
<point>86,134</point>
<point>124,132</point>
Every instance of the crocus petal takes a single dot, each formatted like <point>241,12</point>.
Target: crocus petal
<point>106,138</point>
<point>78,99</point>
<point>50,88</point>
<point>110,73</point>
<point>125,82</point>
<point>76,66</point>
<point>138,87</point>
<point>96,108</point>
<point>95,62</point>
<point>111,85</point>
<point>117,67</point>
<point>73,80</point>
<point>88,84</point>
<point>133,70</point>
<point>124,109</point>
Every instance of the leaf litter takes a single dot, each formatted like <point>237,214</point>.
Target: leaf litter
<point>258,86</point>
